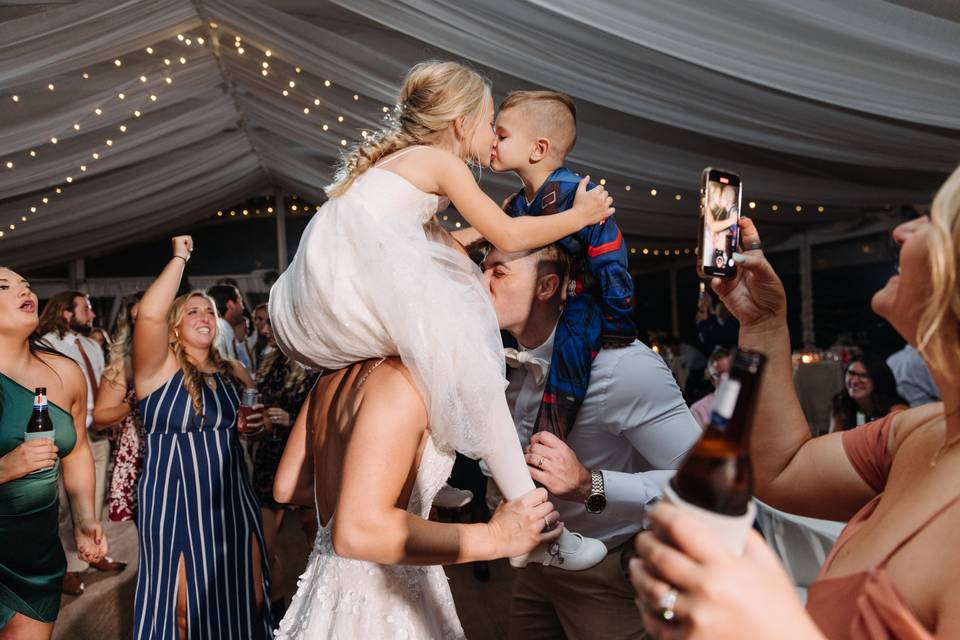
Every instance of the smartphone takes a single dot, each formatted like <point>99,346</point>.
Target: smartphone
<point>719,226</point>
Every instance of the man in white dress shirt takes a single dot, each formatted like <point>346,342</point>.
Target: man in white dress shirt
<point>632,430</point>
<point>230,309</point>
<point>65,323</point>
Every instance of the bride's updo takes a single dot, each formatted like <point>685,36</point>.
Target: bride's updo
<point>433,96</point>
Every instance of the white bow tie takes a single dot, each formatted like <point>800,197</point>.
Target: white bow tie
<point>516,359</point>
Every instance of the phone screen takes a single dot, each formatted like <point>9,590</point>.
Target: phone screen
<point>719,218</point>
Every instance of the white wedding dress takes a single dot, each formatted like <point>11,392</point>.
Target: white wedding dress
<point>374,276</point>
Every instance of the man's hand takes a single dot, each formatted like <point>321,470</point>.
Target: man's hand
<point>554,465</point>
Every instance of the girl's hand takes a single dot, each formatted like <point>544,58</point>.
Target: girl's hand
<point>520,525</point>
<point>28,457</point>
<point>755,295</point>
<point>717,594</point>
<point>91,543</point>
<point>182,247</point>
<point>593,206</point>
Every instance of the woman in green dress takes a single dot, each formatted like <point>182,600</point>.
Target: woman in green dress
<point>32,563</point>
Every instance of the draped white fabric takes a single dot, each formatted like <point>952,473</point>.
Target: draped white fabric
<point>853,106</point>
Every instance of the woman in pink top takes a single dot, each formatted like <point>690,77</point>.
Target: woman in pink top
<point>892,573</point>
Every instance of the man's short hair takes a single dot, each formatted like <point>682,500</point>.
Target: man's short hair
<point>549,114</point>
<point>221,294</point>
<point>552,259</point>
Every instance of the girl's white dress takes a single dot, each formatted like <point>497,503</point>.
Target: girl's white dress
<point>373,277</point>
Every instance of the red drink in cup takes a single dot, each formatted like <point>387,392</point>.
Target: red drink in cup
<point>248,398</point>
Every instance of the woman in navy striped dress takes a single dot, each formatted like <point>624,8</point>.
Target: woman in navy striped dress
<point>202,572</point>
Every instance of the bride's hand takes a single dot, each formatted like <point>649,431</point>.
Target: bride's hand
<point>755,296</point>
<point>518,526</point>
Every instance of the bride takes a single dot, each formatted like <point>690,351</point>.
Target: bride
<point>361,451</point>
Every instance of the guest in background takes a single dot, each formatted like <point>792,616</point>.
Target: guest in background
<point>914,382</point>
<point>32,564</point>
<point>284,386</point>
<point>241,333</point>
<point>718,364</point>
<point>260,345</point>
<point>715,326</point>
<point>869,393</point>
<point>116,409</point>
<point>65,325</point>
<point>229,311</point>
<point>201,541</point>
<point>100,336</point>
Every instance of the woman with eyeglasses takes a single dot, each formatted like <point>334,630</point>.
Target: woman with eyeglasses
<point>869,393</point>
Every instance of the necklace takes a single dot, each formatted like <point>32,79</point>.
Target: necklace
<point>946,445</point>
<point>210,381</point>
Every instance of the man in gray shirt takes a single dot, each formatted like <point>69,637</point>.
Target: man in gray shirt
<point>914,381</point>
<point>632,430</point>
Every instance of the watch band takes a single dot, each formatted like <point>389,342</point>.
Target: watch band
<point>596,482</point>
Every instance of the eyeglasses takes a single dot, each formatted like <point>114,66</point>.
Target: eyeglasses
<point>857,374</point>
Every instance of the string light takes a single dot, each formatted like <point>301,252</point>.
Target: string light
<point>343,143</point>
<point>184,60</point>
<point>316,102</point>
<point>123,128</point>
<point>653,192</point>
<point>603,181</point>
<point>265,64</point>
<point>187,42</point>
<point>150,50</point>
<point>339,118</point>
<point>33,154</point>
<point>76,126</point>
<point>264,72</point>
<point>752,204</point>
<point>267,53</point>
<point>50,86</point>
<point>168,80</point>
<point>626,188</point>
<point>774,207</point>
<point>117,62</point>
<point>95,155</point>
<point>153,97</point>
<point>121,96</point>
<point>200,40</point>
<point>9,164</point>
<point>53,140</point>
<point>285,92</point>
<point>798,208</point>
<point>109,142</point>
<point>166,61</point>
<point>15,98</point>
<point>83,167</point>
<point>677,197</point>
<point>306,110</point>
<point>820,209</point>
<point>325,127</point>
<point>327,83</point>
<point>143,78</point>
<point>180,37</point>
<point>86,76</point>
<point>297,69</point>
<point>240,50</point>
<point>291,84</point>
<point>356,97</point>
<point>136,113</point>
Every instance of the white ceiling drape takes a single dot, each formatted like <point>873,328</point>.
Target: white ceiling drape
<point>852,106</point>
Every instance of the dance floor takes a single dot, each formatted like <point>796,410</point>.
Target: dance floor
<point>105,610</point>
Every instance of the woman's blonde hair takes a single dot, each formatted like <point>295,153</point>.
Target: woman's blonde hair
<point>118,360</point>
<point>434,95</point>
<point>938,335</point>
<point>192,377</point>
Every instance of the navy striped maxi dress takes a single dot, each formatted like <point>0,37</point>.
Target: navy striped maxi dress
<point>196,501</point>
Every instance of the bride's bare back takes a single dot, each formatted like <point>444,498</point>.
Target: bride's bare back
<point>332,414</point>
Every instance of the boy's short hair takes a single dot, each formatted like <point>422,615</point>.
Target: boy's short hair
<point>550,114</point>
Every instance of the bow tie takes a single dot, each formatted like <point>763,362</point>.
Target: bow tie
<point>516,359</point>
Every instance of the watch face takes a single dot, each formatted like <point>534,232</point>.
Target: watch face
<point>596,503</point>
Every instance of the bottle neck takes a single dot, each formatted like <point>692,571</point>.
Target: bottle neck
<point>732,412</point>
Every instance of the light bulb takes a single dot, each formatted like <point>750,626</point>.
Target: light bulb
<point>69,179</point>
<point>121,96</point>
<point>123,128</point>
<point>220,213</point>
<point>183,60</point>
<point>339,118</point>
<point>76,127</point>
<point>53,140</point>
<point>109,143</point>
<point>86,76</point>
<point>33,154</point>
<point>9,165</point>
<point>50,86</point>
<point>326,83</point>
<point>386,109</point>
<point>325,127</point>
<point>291,84</point>
<point>752,204</point>
<point>264,72</point>
<point>58,190</point>
<point>627,188</point>
<point>297,69</point>
<point>45,199</point>
<point>265,65</point>
<point>775,207</point>
<point>316,102</point>
<point>168,80</point>
<point>15,98</point>
<point>188,42</point>
<point>214,25</point>
<point>117,62</point>
<point>268,53</point>
<point>150,50</point>
<point>343,143</point>
<point>306,109</point>
<point>356,97</point>
<point>820,209</point>
<point>200,40</point>
<point>83,167</point>
<point>153,98</point>
<point>653,192</point>
<point>33,209</point>
<point>95,155</point>
<point>136,113</point>
<point>285,92</point>
<point>143,78</point>
<point>240,50</point>
<point>166,61</point>
<point>798,208</point>
<point>457,225</point>
<point>180,37</point>
<point>633,249</point>
<point>603,181</point>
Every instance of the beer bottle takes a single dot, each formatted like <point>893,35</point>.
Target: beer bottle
<point>716,475</point>
<point>39,422</point>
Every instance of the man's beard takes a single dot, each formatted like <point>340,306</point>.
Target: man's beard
<point>82,329</point>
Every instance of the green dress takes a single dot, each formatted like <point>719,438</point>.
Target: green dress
<point>32,563</point>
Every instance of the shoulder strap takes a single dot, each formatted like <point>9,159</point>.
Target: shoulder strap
<point>936,514</point>
<point>399,154</point>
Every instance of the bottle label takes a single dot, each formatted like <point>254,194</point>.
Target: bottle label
<point>727,396</point>
<point>40,401</point>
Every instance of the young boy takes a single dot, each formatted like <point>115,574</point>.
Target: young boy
<point>535,132</point>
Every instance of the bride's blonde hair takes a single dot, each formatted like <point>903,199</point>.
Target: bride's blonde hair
<point>434,95</point>
<point>938,335</point>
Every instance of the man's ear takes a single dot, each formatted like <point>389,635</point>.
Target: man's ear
<point>541,148</point>
<point>547,286</point>
<point>67,314</point>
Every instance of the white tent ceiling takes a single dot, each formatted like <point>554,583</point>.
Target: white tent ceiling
<point>852,106</point>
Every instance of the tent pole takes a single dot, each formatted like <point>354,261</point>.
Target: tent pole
<point>674,304</point>
<point>281,231</point>
<point>78,276</point>
<point>806,291</point>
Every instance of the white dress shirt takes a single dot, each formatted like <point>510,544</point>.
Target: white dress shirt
<point>224,342</point>
<point>70,345</point>
<point>633,426</point>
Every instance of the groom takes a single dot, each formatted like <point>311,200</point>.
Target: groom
<point>632,428</point>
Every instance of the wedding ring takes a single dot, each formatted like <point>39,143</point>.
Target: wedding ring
<point>755,246</point>
<point>666,604</point>
<point>540,464</point>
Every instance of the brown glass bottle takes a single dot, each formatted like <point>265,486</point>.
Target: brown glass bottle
<point>716,475</point>
<point>39,421</point>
